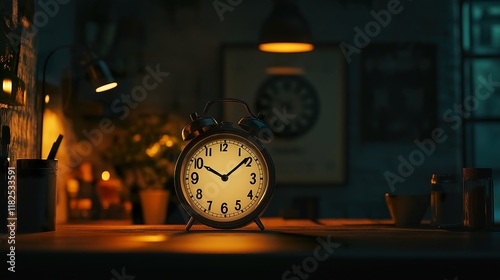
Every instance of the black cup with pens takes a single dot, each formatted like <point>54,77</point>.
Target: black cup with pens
<point>36,192</point>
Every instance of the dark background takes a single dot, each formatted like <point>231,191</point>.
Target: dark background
<point>399,86</point>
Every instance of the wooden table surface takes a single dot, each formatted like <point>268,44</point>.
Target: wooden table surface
<point>286,249</point>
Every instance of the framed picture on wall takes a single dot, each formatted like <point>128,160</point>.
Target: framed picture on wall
<point>398,92</point>
<point>303,99</point>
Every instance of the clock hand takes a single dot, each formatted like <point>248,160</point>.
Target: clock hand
<point>237,166</point>
<point>215,172</point>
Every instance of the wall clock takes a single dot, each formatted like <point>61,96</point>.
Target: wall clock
<point>290,104</point>
<point>225,177</point>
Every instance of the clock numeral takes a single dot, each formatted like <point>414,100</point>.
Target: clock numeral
<point>223,208</point>
<point>209,204</point>
<point>208,151</point>
<point>223,147</point>
<point>253,175</point>
<point>239,152</point>
<point>194,178</point>
<point>238,205</point>
<point>249,162</point>
<point>198,163</point>
<point>199,194</point>
<point>250,194</point>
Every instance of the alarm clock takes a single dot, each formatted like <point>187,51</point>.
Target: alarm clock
<point>225,177</point>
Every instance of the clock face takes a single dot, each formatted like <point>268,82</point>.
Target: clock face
<point>289,103</point>
<point>224,178</point>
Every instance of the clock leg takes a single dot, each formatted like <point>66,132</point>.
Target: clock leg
<point>189,223</point>
<point>259,223</point>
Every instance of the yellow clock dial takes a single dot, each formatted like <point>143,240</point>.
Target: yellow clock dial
<point>224,177</point>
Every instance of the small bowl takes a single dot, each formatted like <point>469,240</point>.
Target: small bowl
<point>407,210</point>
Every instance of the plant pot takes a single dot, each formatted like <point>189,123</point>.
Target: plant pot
<point>154,204</point>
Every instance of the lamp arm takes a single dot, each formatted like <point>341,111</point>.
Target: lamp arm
<point>46,62</point>
<point>44,73</point>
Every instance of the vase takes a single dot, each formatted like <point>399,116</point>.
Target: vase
<point>154,204</point>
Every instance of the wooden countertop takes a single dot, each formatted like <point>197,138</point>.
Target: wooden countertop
<point>286,249</point>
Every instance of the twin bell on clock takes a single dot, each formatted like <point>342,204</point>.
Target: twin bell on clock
<point>224,177</point>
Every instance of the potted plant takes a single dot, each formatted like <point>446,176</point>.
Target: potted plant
<point>143,153</point>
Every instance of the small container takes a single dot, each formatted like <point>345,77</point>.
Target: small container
<point>36,195</point>
<point>478,198</point>
<point>446,201</point>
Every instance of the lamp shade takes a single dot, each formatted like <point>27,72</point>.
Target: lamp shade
<point>99,74</point>
<point>285,30</point>
<point>97,71</point>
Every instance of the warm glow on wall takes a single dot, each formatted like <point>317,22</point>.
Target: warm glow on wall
<point>52,127</point>
<point>284,70</point>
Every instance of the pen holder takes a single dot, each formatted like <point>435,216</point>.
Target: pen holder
<point>36,195</point>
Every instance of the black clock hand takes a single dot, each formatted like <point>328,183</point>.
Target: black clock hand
<point>215,172</point>
<point>237,166</point>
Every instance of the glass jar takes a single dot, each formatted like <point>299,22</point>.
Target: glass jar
<point>446,201</point>
<point>478,198</point>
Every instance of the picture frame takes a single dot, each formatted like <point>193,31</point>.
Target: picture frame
<point>302,98</point>
<point>398,92</point>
